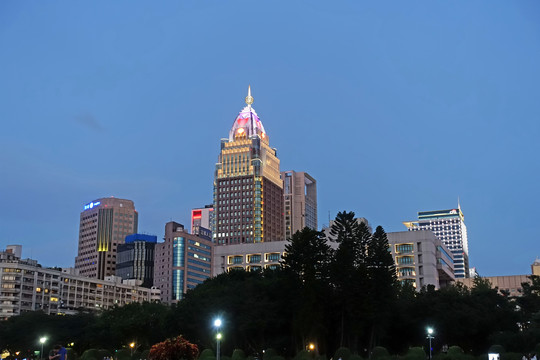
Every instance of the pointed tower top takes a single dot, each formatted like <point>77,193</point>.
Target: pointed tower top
<point>249,98</point>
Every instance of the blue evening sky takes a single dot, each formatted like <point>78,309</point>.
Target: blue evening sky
<point>394,107</point>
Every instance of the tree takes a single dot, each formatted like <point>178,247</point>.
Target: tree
<point>176,348</point>
<point>349,276</point>
<point>307,259</point>
<point>382,283</point>
<point>308,255</point>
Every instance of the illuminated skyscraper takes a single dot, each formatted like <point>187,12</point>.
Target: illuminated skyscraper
<point>104,225</point>
<point>449,227</point>
<point>248,191</point>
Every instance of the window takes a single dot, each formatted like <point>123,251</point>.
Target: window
<point>404,248</point>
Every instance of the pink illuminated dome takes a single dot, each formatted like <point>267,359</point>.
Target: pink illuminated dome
<point>247,123</point>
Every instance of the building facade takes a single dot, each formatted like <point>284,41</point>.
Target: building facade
<point>421,259</point>
<point>299,201</point>
<point>104,224</point>
<point>508,285</point>
<point>135,258</point>
<point>248,191</point>
<point>182,262</point>
<point>26,286</point>
<point>250,257</point>
<point>449,227</point>
<point>202,218</point>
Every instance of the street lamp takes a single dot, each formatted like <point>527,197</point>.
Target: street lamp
<point>132,346</point>
<point>217,325</point>
<point>42,341</point>
<point>430,336</point>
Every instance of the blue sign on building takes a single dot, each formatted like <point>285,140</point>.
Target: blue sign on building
<point>91,205</point>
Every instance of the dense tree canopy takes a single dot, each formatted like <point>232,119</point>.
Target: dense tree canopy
<point>347,297</point>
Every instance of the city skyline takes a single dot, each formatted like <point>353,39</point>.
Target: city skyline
<point>392,110</point>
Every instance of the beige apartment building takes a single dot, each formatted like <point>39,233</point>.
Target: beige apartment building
<point>299,201</point>
<point>104,224</point>
<point>421,259</point>
<point>26,286</point>
<point>250,257</point>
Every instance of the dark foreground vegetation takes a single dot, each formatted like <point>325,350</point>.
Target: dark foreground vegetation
<point>345,300</point>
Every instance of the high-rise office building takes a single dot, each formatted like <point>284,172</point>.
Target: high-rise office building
<point>248,191</point>
<point>135,258</point>
<point>104,224</point>
<point>182,262</point>
<point>202,218</point>
<point>300,202</point>
<point>449,227</point>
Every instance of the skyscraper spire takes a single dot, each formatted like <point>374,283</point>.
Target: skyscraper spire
<point>249,98</point>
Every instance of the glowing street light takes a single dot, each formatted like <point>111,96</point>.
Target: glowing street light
<point>430,336</point>
<point>42,341</point>
<point>311,346</point>
<point>132,346</point>
<point>217,325</point>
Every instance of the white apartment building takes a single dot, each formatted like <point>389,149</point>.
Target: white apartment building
<point>26,286</point>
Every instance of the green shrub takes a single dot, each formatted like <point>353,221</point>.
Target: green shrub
<point>90,354</point>
<point>511,356</point>
<point>379,352</point>
<point>415,353</point>
<point>71,354</point>
<point>122,354</point>
<point>343,353</point>
<point>238,354</point>
<point>323,357</point>
<point>455,353</point>
<point>206,353</point>
<point>269,353</point>
<point>102,353</point>
<point>497,349</point>
<point>303,355</point>
<point>225,357</point>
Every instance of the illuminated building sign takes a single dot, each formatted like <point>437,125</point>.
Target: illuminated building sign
<point>196,214</point>
<point>91,205</point>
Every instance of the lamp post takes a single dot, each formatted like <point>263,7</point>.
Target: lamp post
<point>217,325</point>
<point>132,346</point>
<point>42,341</point>
<point>430,336</point>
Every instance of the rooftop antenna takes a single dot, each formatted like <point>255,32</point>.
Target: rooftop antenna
<point>249,98</point>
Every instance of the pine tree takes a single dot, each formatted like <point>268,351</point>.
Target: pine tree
<point>382,283</point>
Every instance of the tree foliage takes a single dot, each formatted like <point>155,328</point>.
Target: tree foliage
<point>176,348</point>
<point>337,294</point>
